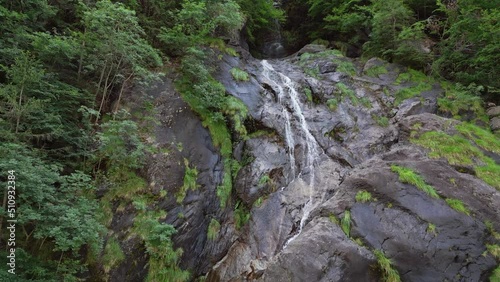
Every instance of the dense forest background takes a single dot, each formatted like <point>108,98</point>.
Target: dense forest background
<point>65,65</point>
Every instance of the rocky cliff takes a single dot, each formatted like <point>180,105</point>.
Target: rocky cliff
<point>352,171</point>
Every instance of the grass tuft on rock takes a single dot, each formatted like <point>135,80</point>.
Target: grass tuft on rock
<point>345,223</point>
<point>363,196</point>
<point>213,229</point>
<point>494,250</point>
<point>458,206</point>
<point>460,151</point>
<point>239,74</point>
<point>495,276</point>
<point>406,175</point>
<point>389,274</point>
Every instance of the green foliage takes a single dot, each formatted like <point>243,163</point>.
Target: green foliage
<point>470,50</point>
<point>410,92</point>
<point>389,273</point>
<point>264,179</point>
<point>346,67</point>
<point>375,71</point>
<point>491,230</point>
<point>196,21</point>
<point>481,137</point>
<point>381,120</point>
<point>113,254</point>
<point>345,91</point>
<point>345,223</point>
<point>406,175</point>
<point>431,228</point>
<point>494,250</point>
<point>190,177</point>
<point>459,151</point>
<point>213,229</point>
<point>394,33</point>
<point>458,206</point>
<point>308,93</point>
<point>163,258</point>
<point>241,215</point>
<point>260,15</point>
<point>58,209</point>
<point>495,275</point>
<point>120,144</point>
<point>333,219</point>
<point>461,100</point>
<point>363,196</point>
<point>239,75</point>
<point>332,104</point>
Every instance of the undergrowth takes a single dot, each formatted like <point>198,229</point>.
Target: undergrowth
<point>419,83</point>
<point>459,100</point>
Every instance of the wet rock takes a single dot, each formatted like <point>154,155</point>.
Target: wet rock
<point>322,253</point>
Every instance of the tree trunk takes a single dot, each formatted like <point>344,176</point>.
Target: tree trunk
<point>121,92</point>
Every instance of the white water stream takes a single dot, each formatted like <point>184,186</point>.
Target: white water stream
<point>287,93</point>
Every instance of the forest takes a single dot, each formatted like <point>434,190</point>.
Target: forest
<point>65,66</point>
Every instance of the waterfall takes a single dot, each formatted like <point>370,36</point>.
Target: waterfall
<point>287,93</point>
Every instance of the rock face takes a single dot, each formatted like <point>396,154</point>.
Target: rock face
<point>295,232</point>
<point>324,129</point>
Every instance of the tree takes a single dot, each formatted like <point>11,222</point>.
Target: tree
<point>470,47</point>
<point>114,51</point>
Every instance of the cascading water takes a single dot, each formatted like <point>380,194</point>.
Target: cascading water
<point>288,93</point>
